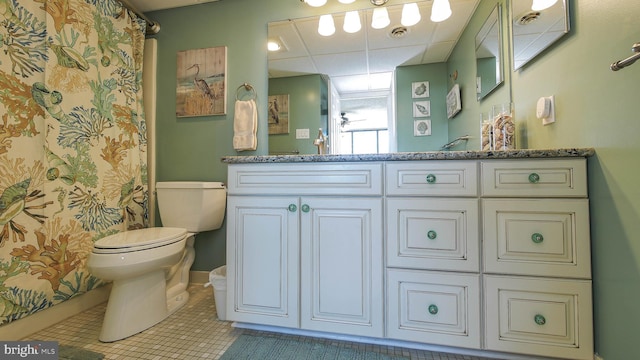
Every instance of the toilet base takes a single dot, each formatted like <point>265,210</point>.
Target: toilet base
<point>126,316</point>
<point>139,303</point>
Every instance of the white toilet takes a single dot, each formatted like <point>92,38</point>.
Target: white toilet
<point>150,267</point>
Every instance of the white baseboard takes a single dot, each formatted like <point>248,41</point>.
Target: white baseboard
<point>41,320</point>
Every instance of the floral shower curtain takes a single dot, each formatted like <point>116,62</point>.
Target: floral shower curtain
<point>72,144</point>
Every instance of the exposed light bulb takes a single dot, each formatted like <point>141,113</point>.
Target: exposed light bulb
<point>440,11</point>
<point>315,3</point>
<point>352,22</point>
<point>326,27</point>
<point>410,14</point>
<point>539,5</point>
<point>380,18</point>
<point>273,45</point>
<point>346,1</point>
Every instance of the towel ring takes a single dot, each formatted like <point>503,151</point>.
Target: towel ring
<point>247,88</point>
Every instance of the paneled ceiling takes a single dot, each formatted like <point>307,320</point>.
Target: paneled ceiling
<point>365,60</point>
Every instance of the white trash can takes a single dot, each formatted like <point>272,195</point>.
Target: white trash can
<point>218,279</point>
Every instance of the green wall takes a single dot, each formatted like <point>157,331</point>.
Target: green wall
<point>436,74</point>
<point>461,69</point>
<point>595,108</point>
<point>307,110</point>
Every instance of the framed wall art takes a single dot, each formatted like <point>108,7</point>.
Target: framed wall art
<point>420,89</point>
<point>453,101</point>
<point>421,127</point>
<point>421,109</point>
<point>278,114</point>
<point>201,82</point>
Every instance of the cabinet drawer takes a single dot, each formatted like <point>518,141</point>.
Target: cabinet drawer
<point>534,178</point>
<point>539,316</point>
<point>432,178</point>
<point>306,179</point>
<point>546,237</point>
<point>431,307</point>
<point>436,234</point>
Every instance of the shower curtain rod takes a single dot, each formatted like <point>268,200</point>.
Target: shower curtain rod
<point>153,27</point>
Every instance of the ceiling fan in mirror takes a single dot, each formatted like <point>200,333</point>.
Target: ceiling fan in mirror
<point>345,120</point>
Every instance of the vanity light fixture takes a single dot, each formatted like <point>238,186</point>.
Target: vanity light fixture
<point>346,1</point>
<point>314,3</point>
<point>440,11</point>
<point>410,14</point>
<point>326,27</point>
<point>380,18</point>
<point>539,5</point>
<point>352,22</point>
<point>379,2</point>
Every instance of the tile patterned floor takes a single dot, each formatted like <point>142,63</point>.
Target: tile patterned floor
<point>193,332</point>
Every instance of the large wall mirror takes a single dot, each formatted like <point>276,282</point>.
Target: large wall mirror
<point>360,65</point>
<point>489,63</point>
<point>535,30</point>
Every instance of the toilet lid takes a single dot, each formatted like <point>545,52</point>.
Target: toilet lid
<point>140,239</point>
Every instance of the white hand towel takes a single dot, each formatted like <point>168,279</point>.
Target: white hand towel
<point>245,125</point>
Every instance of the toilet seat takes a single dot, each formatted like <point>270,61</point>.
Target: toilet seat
<point>137,240</point>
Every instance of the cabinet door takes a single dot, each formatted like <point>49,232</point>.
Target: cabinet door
<point>262,260</point>
<point>341,265</point>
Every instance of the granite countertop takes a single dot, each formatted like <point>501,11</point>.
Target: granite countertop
<point>407,156</point>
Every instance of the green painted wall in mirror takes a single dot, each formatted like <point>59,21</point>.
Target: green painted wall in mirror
<point>307,110</point>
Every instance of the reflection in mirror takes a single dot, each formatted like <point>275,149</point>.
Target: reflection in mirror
<point>364,124</point>
<point>361,65</point>
<point>489,54</point>
<point>534,31</point>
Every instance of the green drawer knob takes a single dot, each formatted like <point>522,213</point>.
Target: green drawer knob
<point>431,179</point>
<point>293,208</point>
<point>537,238</point>
<point>433,309</point>
<point>534,178</point>
<point>539,319</point>
<point>432,234</point>
<point>305,208</point>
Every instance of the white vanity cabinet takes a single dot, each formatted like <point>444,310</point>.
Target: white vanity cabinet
<point>537,258</point>
<point>480,253</point>
<point>299,258</point>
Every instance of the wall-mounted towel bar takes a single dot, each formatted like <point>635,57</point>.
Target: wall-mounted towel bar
<point>628,61</point>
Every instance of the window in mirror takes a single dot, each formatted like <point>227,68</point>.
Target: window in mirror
<point>489,54</point>
<point>534,31</point>
<point>364,123</point>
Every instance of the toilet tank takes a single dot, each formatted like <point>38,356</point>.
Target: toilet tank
<point>193,205</point>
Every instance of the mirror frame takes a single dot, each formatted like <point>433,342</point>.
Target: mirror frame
<point>550,41</point>
<point>491,24</point>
